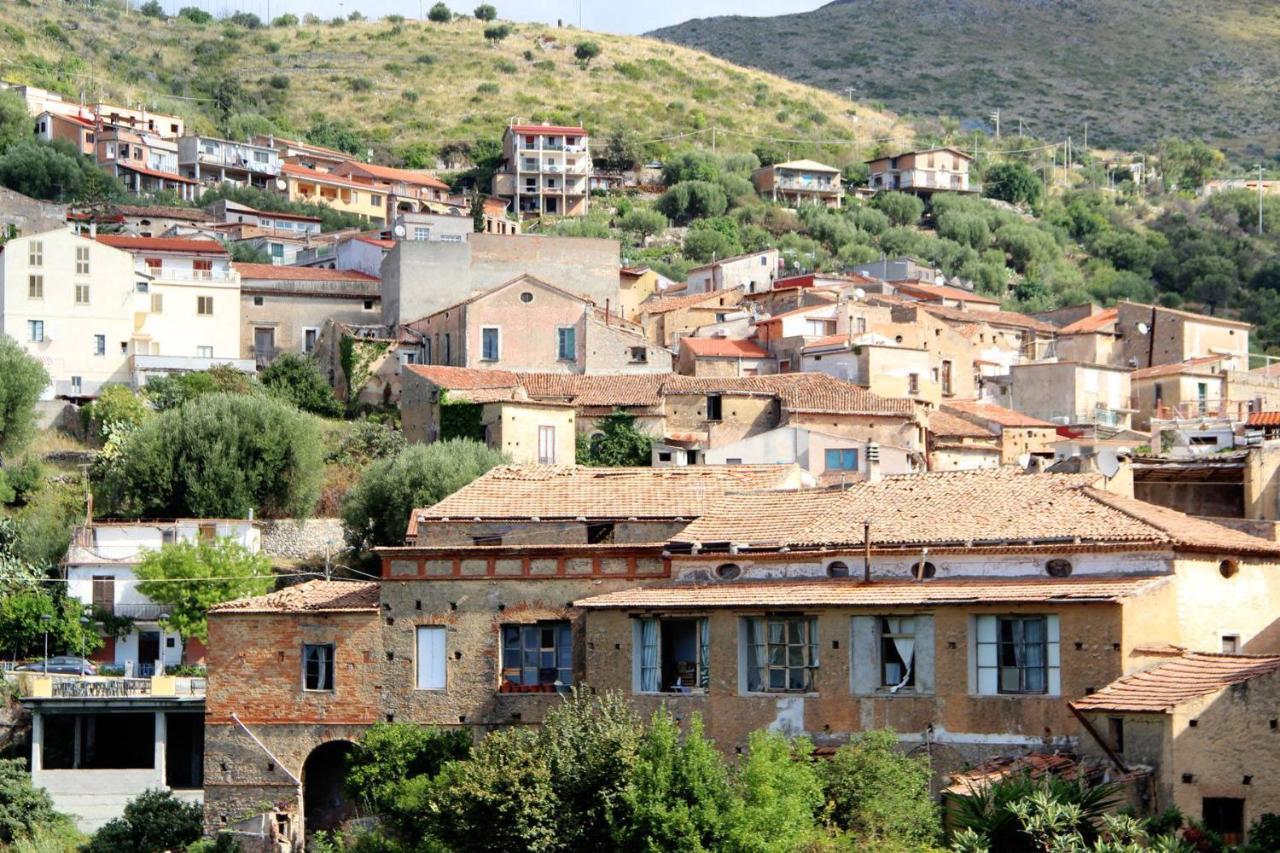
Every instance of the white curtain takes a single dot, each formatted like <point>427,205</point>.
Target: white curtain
<point>704,651</point>
<point>906,648</point>
<point>649,669</point>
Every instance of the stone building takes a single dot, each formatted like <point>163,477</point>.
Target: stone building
<point>666,319</point>
<point>22,215</point>
<point>283,308</point>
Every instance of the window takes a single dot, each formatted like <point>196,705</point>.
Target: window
<point>714,407</point>
<point>35,253</point>
<point>489,540</point>
<point>35,330</point>
<point>421,234</point>
<point>489,343</point>
<point>782,654</point>
<point>76,384</point>
<point>277,250</point>
<point>368,305</point>
<point>82,294</point>
<point>431,657</point>
<point>35,287</point>
<point>99,344</point>
<point>861,324</point>
<point>259,301</point>
<point>842,460</point>
<point>819,328</point>
<point>1231,644</point>
<point>671,655</point>
<point>1115,733</point>
<point>639,355</point>
<point>600,533</point>
<point>540,654</point>
<point>913,383</point>
<point>526,297</point>
<point>317,666</point>
<point>1017,654</point>
<point>157,303</point>
<point>204,306</point>
<point>1225,816</point>
<point>897,652</point>
<point>204,352</point>
<point>448,349</point>
<point>309,337</point>
<point>946,379</point>
<point>546,445</point>
<point>566,343</point>
<point>208,532</point>
<point>82,260</point>
<point>104,593</point>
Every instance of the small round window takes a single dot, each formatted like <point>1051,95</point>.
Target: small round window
<point>527,296</point>
<point>1228,568</point>
<point>837,569</point>
<point>1058,568</point>
<point>728,571</point>
<point>924,570</point>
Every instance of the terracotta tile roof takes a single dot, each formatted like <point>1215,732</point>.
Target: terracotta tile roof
<point>1093,323</point>
<point>305,173</point>
<point>155,173</point>
<point>675,303</point>
<point>637,389</point>
<point>826,592</point>
<point>942,423</point>
<point>798,392</point>
<point>289,273</point>
<point>1035,765</point>
<point>1167,685</point>
<point>992,412</point>
<point>806,309</point>
<point>963,509</point>
<point>311,597</point>
<point>464,378</point>
<point>941,291</point>
<point>571,491</point>
<point>959,315</point>
<point>723,347</point>
<point>191,214</point>
<point>162,244</point>
<point>553,129</point>
<point>1263,419</point>
<point>1188,366</point>
<point>841,341</point>
<point>376,241</point>
<point>387,173</point>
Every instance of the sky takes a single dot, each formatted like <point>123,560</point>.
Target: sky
<point>613,16</point>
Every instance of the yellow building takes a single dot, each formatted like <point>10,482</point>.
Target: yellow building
<point>342,194</point>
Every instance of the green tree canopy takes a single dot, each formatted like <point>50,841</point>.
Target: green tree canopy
<point>22,380</point>
<point>485,12</point>
<point>880,795</point>
<point>376,510</point>
<point>391,754</point>
<point>169,392</point>
<point>585,51</point>
<point>296,379</point>
<point>495,33</point>
<point>219,455</point>
<point>440,13</point>
<point>24,808</point>
<point>15,122</point>
<point>1012,181</point>
<point>617,444</point>
<point>23,626</point>
<point>152,821</point>
<point>194,576</point>
<point>689,200</point>
<point>643,223</point>
<point>901,208</point>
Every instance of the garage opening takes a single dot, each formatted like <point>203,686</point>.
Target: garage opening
<point>325,805</point>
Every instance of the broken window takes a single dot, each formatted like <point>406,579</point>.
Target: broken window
<point>317,666</point>
<point>539,654</point>
<point>600,533</point>
<point>782,654</point>
<point>1017,654</point>
<point>897,652</point>
<point>672,655</point>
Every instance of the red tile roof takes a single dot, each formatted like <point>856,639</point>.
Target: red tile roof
<point>723,348</point>
<point>1188,366</point>
<point>162,244</point>
<point>993,413</point>
<point>1093,323</point>
<point>941,291</point>
<point>387,173</point>
<point>155,173</point>
<point>289,273</point>
<point>674,303</point>
<point>1167,685</point>
<point>322,177</point>
<point>946,312</point>
<point>551,129</point>
<point>1263,419</point>
<point>879,593</point>
<point>963,509</point>
<point>380,243</point>
<point>311,597</point>
<point>463,378</point>
<point>941,423</point>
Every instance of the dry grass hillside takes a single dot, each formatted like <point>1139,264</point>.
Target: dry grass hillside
<point>411,88</point>
<point>1135,70</point>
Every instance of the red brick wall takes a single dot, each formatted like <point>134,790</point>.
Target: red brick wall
<point>255,667</point>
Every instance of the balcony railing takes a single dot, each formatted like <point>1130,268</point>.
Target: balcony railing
<point>229,160</point>
<point>170,274</point>
<point>39,686</point>
<point>810,186</point>
<point>141,612</point>
<point>180,363</point>
<point>1191,410</point>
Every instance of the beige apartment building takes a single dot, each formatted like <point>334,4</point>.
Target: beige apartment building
<point>545,170</point>
<point>800,182</point>
<point>922,172</point>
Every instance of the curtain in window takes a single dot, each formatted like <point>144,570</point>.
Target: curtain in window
<point>757,663</point>
<point>649,669</point>
<point>906,648</point>
<point>704,651</point>
<point>1031,652</point>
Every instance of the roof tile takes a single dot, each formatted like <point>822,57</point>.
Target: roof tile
<point>312,597</point>
<point>1167,685</point>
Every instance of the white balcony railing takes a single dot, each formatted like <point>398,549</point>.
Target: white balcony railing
<point>170,274</point>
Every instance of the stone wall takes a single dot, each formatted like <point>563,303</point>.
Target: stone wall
<point>295,539</point>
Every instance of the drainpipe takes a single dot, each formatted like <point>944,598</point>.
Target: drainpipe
<point>269,753</point>
<point>866,551</point>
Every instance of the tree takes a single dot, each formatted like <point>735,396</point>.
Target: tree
<point>296,379</point>
<point>219,455</point>
<point>15,121</point>
<point>153,821</point>
<point>965,228</point>
<point>703,245</point>
<point>24,808</point>
<point>585,52</point>
<point>366,441</point>
<point>901,208</point>
<point>22,380</point>
<point>152,9</point>
<point>244,252</point>
<point>117,410</point>
<point>195,15</point>
<point>485,12</point>
<point>23,626</point>
<point>778,796</point>
<point>622,151</point>
<point>248,20</point>
<point>880,795</point>
<point>391,754</point>
<point>643,223</point>
<point>1187,164</point>
<point>194,576</point>
<point>376,510</point>
<point>1013,182</point>
<point>695,165</point>
<point>285,20</point>
<point>496,33</point>
<point>42,171</point>
<point>690,200</point>
<point>440,13</point>
<point>169,392</point>
<point>617,444</point>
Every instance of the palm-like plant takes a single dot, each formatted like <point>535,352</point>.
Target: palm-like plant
<point>992,812</point>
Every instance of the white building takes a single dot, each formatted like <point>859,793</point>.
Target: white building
<point>99,572</point>
<point>753,272</point>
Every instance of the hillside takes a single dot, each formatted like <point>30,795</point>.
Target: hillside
<point>1135,70</point>
<point>408,88</point>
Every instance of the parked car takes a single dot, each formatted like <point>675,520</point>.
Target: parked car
<point>61,665</point>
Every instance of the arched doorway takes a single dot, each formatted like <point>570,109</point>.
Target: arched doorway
<point>325,804</point>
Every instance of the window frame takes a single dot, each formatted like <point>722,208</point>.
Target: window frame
<point>327,655</point>
<point>893,628</point>
<point>639,668</point>
<point>484,343</point>
<point>82,290</point>
<point>34,326</point>
<point>562,644</point>
<point>1002,649</point>
<point>35,286</point>
<point>201,302</point>
<point>842,454</point>
<point>419,632</point>
<point>808,648</point>
<point>35,254</point>
<point>566,334</point>
<point>82,260</point>
<point>99,344</point>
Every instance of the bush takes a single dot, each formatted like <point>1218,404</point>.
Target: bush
<point>152,821</point>
<point>690,200</point>
<point>1012,182</point>
<point>218,571</point>
<point>496,33</point>
<point>705,244</point>
<point>219,455</point>
<point>376,510</point>
<point>366,441</point>
<point>880,795</point>
<point>175,389</point>
<point>440,14</point>
<point>778,795</point>
<point>152,9</point>
<point>24,808</point>
<point>248,20</point>
<point>117,410</point>
<point>286,20</point>
<point>360,84</point>
<point>585,52</point>
<point>642,224</point>
<point>901,208</point>
<point>195,15</point>
<point>390,754</point>
<point>22,380</point>
<point>485,12</point>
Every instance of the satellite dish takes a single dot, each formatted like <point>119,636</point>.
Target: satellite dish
<point>1108,462</point>
<point>282,184</point>
<point>1024,460</point>
<point>399,230</point>
<point>859,293</point>
<point>1143,328</point>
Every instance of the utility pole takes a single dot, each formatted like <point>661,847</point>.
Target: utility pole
<point>995,116</point>
<point>849,90</point>
<point>1259,199</point>
<point>1086,137</point>
<point>713,140</point>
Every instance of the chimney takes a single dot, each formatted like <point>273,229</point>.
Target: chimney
<point>873,462</point>
<point>93,229</point>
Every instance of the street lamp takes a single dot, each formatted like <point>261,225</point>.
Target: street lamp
<point>45,619</point>
<point>84,629</point>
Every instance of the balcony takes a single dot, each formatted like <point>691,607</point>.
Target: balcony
<point>34,685</point>
<point>264,355</point>
<point>162,364</point>
<point>800,185</point>
<point>141,612</point>
<point>184,275</point>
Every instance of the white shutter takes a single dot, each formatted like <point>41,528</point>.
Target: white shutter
<point>430,658</point>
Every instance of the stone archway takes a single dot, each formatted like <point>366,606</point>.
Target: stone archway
<point>325,804</point>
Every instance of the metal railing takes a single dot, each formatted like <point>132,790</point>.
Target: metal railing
<point>141,612</point>
<point>53,686</point>
<point>169,274</point>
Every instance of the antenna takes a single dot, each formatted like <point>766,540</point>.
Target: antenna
<point>1108,463</point>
